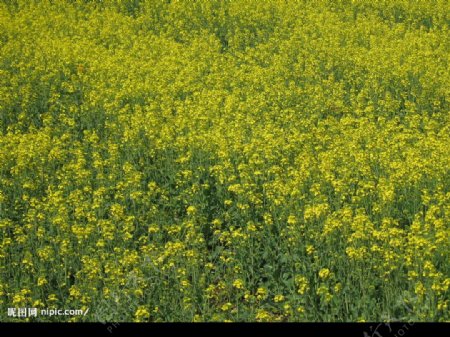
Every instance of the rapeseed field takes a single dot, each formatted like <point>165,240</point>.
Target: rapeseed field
<point>225,160</point>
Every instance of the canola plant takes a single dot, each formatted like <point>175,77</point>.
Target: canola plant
<point>225,160</point>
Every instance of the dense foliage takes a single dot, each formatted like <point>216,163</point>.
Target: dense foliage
<point>225,160</point>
